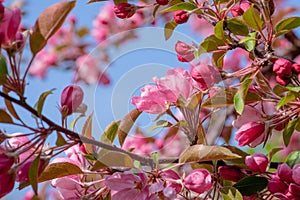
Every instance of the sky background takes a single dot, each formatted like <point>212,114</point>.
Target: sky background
<point>133,66</point>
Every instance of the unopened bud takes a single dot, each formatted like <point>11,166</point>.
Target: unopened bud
<point>70,99</point>
<point>124,10</point>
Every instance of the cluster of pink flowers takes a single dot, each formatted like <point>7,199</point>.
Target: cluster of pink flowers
<point>285,183</point>
<point>284,70</point>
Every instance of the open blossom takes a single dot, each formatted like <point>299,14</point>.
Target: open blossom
<point>44,60</point>
<point>257,162</point>
<point>128,185</point>
<point>155,98</point>
<point>251,134</point>
<point>199,180</point>
<point>205,76</point>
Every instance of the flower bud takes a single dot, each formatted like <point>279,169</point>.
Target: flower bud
<point>70,99</point>
<point>1,12</point>
<point>296,174</point>
<point>124,10</point>
<point>236,12</point>
<point>5,163</point>
<point>296,67</point>
<point>7,182</point>
<point>294,189</point>
<point>185,52</point>
<point>282,67</point>
<point>282,81</point>
<point>276,185</point>
<point>285,173</point>
<point>162,2</point>
<point>231,173</point>
<point>250,134</point>
<point>198,181</point>
<point>257,162</point>
<point>181,16</point>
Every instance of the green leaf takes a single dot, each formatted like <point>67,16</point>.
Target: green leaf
<point>225,97</point>
<point>155,157</point>
<point>94,1</point>
<point>263,83</point>
<point>294,89</point>
<point>169,28</point>
<point>60,140</point>
<point>219,30</point>
<point>11,109</point>
<point>239,97</point>
<point>251,185</point>
<point>218,58</point>
<point>209,44</point>
<point>116,159</point>
<point>199,152</point>
<point>230,193</point>
<point>239,103</point>
<point>287,25</point>
<point>297,126</point>
<point>180,6</point>
<point>40,103</point>
<point>194,101</point>
<point>5,117</point>
<point>293,159</point>
<point>161,124</point>
<point>126,124</point>
<point>87,132</point>
<point>120,1</point>
<point>58,170</point>
<point>155,10</point>
<point>110,132</point>
<point>48,23</point>
<point>273,152</point>
<point>250,41</point>
<point>290,96</point>
<point>251,18</point>
<point>237,27</point>
<point>288,131</point>
<point>33,174</point>
<point>3,70</point>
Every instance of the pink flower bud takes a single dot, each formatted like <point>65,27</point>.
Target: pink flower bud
<point>296,174</point>
<point>282,67</point>
<point>7,182</point>
<point>205,76</point>
<point>296,67</point>
<point>236,12</point>
<point>181,16</point>
<point>9,27</point>
<point>257,162</point>
<point>162,2</point>
<point>70,99</point>
<point>124,10</point>
<point>5,162</point>
<point>250,134</point>
<point>231,173</point>
<point>170,174</point>
<point>19,40</point>
<point>285,173</point>
<point>185,52</point>
<point>294,189</point>
<point>282,81</point>
<point>276,185</point>
<point>198,181</point>
<point>1,12</point>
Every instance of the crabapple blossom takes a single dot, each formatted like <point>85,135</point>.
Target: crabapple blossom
<point>296,67</point>
<point>23,170</point>
<point>257,162</point>
<point>237,11</point>
<point>162,2</point>
<point>70,99</point>
<point>296,173</point>
<point>282,67</point>
<point>185,52</point>
<point>232,173</point>
<point>171,177</point>
<point>5,161</point>
<point>7,182</point>
<point>251,134</point>
<point>124,10</point>
<point>199,180</point>
<point>181,16</point>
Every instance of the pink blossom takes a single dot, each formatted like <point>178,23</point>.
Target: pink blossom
<point>296,67</point>
<point>185,52</point>
<point>88,72</point>
<point>5,161</point>
<point>257,162</point>
<point>171,177</point>
<point>9,26</point>
<point>139,143</point>
<point>23,170</point>
<point>296,173</point>
<point>294,190</point>
<point>251,133</point>
<point>285,173</point>
<point>124,10</point>
<point>70,99</point>
<point>198,180</point>
<point>282,67</point>
<point>236,11</point>
<point>249,114</point>
<point>162,2</point>
<point>7,182</point>
<point>128,186</point>
<point>199,25</point>
<point>181,16</point>
<point>176,82</point>
<point>150,101</point>
<point>205,76</point>
<point>276,185</point>
<point>231,173</point>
